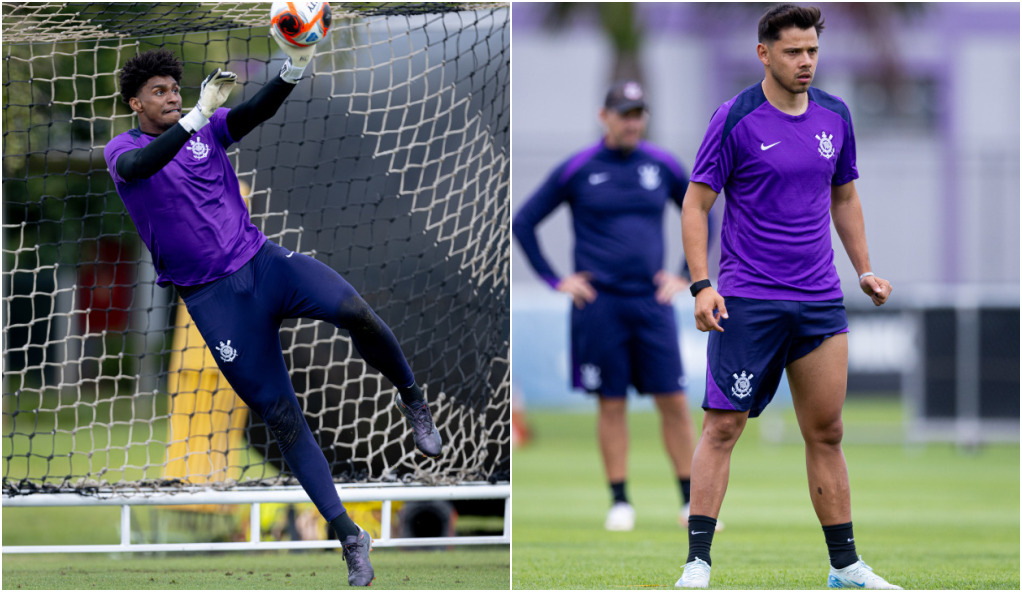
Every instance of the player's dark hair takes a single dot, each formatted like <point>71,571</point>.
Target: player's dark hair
<point>782,16</point>
<point>139,69</point>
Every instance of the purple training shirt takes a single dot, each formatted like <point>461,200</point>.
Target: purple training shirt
<point>190,214</point>
<point>776,172</point>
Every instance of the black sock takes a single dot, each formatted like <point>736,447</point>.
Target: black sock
<point>686,488</point>
<point>344,527</point>
<point>411,394</point>
<point>618,491</point>
<point>840,545</point>
<point>700,537</point>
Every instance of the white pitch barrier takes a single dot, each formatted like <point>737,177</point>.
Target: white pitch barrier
<point>279,495</point>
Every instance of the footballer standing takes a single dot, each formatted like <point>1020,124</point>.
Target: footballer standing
<point>783,152</point>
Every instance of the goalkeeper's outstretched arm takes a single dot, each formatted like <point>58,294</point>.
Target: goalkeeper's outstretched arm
<point>245,117</point>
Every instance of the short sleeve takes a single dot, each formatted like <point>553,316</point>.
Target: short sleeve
<point>118,146</point>
<point>845,169</point>
<point>218,124</point>
<point>714,160</point>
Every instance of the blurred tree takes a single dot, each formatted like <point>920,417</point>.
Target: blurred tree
<point>877,22</point>
<point>623,30</point>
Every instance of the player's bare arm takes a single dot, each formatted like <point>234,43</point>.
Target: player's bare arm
<point>846,211</point>
<point>695,229</point>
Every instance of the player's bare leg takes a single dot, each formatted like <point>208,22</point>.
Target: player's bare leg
<point>676,428</point>
<point>711,463</point>
<point>612,433</point>
<point>711,468</point>
<point>679,442</point>
<point>818,384</point>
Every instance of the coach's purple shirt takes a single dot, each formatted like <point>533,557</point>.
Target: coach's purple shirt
<point>190,214</point>
<point>776,172</point>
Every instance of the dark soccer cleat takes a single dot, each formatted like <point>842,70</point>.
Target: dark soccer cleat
<point>356,555</point>
<point>427,437</point>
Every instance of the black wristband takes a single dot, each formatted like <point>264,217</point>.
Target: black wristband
<point>697,286</point>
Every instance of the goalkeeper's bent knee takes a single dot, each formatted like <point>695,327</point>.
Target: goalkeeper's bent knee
<point>285,423</point>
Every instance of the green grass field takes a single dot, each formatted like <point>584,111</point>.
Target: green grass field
<point>483,568</point>
<point>926,516</point>
<point>133,453</point>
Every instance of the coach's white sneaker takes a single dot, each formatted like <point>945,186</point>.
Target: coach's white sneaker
<point>696,575</point>
<point>620,517</point>
<point>683,520</point>
<point>858,575</point>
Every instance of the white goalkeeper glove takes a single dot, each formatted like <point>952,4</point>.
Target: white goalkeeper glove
<point>297,58</point>
<point>212,95</point>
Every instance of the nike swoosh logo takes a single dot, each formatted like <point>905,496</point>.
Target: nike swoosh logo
<point>763,146</point>
<point>699,532</point>
<point>289,255</point>
<point>835,582</point>
<point>597,178</point>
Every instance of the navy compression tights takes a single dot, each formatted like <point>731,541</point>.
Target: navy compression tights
<point>239,317</point>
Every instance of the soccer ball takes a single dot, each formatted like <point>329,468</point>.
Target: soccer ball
<point>300,24</point>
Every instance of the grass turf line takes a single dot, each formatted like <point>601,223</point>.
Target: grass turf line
<point>926,516</point>
<point>476,568</point>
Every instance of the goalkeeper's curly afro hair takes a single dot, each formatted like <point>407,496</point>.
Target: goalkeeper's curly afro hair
<point>139,69</point>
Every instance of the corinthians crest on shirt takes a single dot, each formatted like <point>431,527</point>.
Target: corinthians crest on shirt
<point>198,149</point>
<point>649,176</point>
<point>826,146</point>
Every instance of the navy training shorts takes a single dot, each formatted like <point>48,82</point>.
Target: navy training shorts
<point>618,340</point>
<point>760,338</point>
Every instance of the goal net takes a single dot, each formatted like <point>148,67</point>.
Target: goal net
<point>389,162</point>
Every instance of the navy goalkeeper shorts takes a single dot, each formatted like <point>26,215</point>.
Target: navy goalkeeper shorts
<point>239,317</point>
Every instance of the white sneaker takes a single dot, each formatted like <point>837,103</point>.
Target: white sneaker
<point>696,575</point>
<point>620,517</point>
<point>683,520</point>
<point>858,575</point>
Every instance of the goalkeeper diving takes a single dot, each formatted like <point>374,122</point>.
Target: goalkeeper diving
<point>178,185</point>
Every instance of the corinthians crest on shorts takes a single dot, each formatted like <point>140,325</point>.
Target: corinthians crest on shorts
<point>227,351</point>
<point>743,385</point>
<point>591,376</point>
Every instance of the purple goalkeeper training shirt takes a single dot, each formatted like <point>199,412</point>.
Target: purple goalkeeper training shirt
<point>776,171</point>
<point>190,214</point>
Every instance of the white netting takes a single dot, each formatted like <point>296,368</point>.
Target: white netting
<point>389,163</point>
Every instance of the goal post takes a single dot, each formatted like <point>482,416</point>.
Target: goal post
<point>389,162</point>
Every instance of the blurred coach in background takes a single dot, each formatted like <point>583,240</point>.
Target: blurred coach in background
<point>623,330</point>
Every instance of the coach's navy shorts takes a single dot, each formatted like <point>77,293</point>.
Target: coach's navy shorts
<point>760,338</point>
<point>620,340</point>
